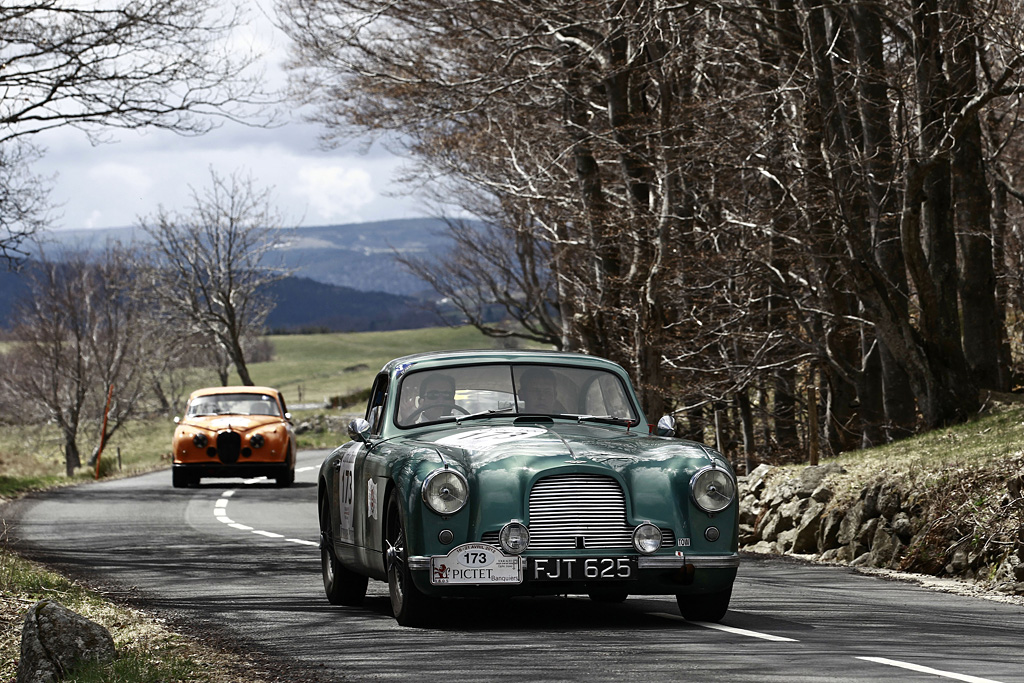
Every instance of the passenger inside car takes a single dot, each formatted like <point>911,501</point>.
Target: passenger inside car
<point>538,390</point>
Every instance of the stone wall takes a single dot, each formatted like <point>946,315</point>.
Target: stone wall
<point>886,525</point>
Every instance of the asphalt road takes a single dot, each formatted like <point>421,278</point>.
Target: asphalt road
<point>238,559</point>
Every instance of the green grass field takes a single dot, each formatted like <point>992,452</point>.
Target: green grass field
<point>307,368</point>
<point>310,367</point>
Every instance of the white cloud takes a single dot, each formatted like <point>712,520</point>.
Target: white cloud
<point>113,185</point>
<point>334,193</point>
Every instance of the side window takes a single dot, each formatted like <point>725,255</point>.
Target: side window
<point>375,406</point>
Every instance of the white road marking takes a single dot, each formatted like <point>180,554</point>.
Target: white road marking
<point>927,670</point>
<point>730,629</point>
<point>303,542</point>
<point>220,512</point>
<point>268,534</point>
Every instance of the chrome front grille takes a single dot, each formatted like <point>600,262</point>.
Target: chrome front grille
<point>579,511</point>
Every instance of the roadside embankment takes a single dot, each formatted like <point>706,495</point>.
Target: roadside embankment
<point>958,522</point>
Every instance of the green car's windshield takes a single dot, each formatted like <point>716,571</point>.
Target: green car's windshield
<point>439,395</point>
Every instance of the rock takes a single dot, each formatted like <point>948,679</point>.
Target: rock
<point>822,494</point>
<point>748,534</point>
<point>851,523</point>
<point>54,640</point>
<point>810,479</point>
<point>828,534</point>
<point>749,509</point>
<point>862,560</point>
<point>805,538</point>
<point>866,534</point>
<point>888,501</point>
<point>886,548</point>
<point>903,527</point>
<point>959,564</point>
<point>774,524</point>
<point>756,479</point>
<point>763,547</point>
<point>870,497</point>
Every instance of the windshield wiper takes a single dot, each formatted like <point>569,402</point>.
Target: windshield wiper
<point>459,419</point>
<point>607,419</point>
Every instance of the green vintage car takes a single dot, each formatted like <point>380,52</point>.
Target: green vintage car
<point>504,473</point>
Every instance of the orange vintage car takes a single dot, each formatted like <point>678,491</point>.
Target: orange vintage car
<point>234,432</point>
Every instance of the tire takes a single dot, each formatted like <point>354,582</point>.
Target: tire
<point>181,480</point>
<point>285,480</point>
<point>410,606</point>
<point>342,585</point>
<point>705,607</point>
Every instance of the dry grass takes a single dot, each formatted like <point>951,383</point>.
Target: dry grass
<point>148,649</point>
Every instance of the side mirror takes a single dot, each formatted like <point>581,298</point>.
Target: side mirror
<point>288,416</point>
<point>177,419</point>
<point>666,426</point>
<point>359,430</point>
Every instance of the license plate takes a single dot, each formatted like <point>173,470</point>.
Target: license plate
<point>582,568</point>
<point>475,564</point>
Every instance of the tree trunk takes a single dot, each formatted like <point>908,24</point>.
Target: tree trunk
<point>973,205</point>
<point>869,391</point>
<point>72,459</point>
<point>747,426</point>
<point>880,181</point>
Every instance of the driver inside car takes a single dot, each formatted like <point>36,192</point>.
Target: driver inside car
<point>437,397</point>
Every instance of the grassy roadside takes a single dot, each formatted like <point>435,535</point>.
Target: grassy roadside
<point>148,651</point>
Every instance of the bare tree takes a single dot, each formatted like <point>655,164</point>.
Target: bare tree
<point>81,335</point>
<point>161,63</point>
<point>23,207</point>
<point>497,279</point>
<point>209,266</point>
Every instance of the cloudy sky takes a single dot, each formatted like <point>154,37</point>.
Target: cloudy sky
<point>112,185</point>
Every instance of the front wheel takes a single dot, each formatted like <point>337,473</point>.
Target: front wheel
<point>285,480</point>
<point>704,607</point>
<point>410,606</point>
<point>343,586</point>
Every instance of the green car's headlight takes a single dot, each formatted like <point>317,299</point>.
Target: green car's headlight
<point>514,537</point>
<point>712,489</point>
<point>445,491</point>
<point>647,538</point>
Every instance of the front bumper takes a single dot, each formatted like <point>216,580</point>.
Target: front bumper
<point>655,575</point>
<point>246,470</point>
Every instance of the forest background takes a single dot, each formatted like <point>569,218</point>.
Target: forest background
<point>736,201</point>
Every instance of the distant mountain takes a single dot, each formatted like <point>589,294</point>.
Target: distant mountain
<point>305,305</point>
<point>344,277</point>
<point>13,287</point>
<point>356,255</point>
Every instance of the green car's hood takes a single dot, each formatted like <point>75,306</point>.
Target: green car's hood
<point>534,447</point>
